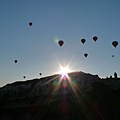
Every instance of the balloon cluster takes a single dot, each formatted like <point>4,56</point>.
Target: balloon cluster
<point>95,38</point>
<point>61,43</point>
<point>16,61</point>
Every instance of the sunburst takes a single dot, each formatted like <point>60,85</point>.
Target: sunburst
<point>64,72</point>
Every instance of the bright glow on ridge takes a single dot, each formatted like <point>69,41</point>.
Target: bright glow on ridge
<point>64,71</point>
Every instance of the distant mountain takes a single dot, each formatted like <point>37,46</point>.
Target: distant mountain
<point>80,96</point>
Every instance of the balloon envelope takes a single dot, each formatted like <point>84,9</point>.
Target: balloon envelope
<point>85,54</point>
<point>83,41</point>
<point>115,43</point>
<point>30,23</point>
<point>15,61</point>
<point>60,43</point>
<point>24,77</point>
<point>112,55</point>
<point>95,38</point>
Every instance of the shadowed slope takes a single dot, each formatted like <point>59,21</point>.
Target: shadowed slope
<point>81,96</point>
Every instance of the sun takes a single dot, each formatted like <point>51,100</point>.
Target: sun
<point>64,71</point>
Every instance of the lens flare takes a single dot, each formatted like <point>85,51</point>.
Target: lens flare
<point>56,39</point>
<point>64,72</point>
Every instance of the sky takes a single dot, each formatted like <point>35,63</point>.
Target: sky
<point>36,47</point>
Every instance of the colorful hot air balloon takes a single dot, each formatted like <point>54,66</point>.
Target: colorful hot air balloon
<point>60,43</point>
<point>83,41</point>
<point>95,38</point>
<point>15,61</point>
<point>85,54</point>
<point>30,23</point>
<point>115,43</point>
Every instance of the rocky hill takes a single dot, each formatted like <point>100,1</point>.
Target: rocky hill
<point>80,96</point>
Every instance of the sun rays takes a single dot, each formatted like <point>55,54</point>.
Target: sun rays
<point>64,72</point>
<point>65,85</point>
<point>63,81</point>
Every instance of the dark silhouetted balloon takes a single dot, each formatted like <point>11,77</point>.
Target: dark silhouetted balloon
<point>83,41</point>
<point>15,61</point>
<point>85,54</point>
<point>115,43</point>
<point>112,55</point>
<point>95,38</point>
<point>40,73</point>
<point>24,77</point>
<point>60,43</point>
<point>30,23</point>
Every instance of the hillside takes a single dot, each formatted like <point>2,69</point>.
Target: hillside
<point>81,96</point>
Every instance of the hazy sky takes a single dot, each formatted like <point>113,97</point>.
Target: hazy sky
<point>36,48</point>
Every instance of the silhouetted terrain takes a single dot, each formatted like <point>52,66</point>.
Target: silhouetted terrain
<point>80,97</point>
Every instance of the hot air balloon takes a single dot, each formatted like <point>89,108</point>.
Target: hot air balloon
<point>95,38</point>
<point>15,61</point>
<point>60,43</point>
<point>85,54</point>
<point>24,77</point>
<point>83,41</point>
<point>112,55</point>
<point>40,73</point>
<point>115,43</point>
<point>30,23</point>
